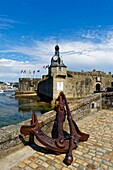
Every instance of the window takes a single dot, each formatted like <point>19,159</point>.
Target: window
<point>59,69</point>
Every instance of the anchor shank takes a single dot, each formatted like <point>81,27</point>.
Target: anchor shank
<point>60,120</point>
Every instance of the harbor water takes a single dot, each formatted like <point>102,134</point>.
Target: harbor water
<point>14,110</point>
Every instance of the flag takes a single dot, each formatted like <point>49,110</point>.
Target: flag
<point>34,72</point>
<point>38,71</point>
<point>47,66</point>
<point>24,71</point>
<point>29,71</point>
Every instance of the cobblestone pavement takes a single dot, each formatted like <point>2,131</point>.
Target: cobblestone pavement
<point>95,154</point>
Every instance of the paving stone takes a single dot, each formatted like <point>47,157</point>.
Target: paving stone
<point>92,151</point>
<point>75,164</point>
<point>107,163</point>
<point>92,154</point>
<point>32,158</point>
<point>38,161</point>
<point>110,168</point>
<point>58,166</point>
<point>99,153</point>
<point>65,168</point>
<point>51,168</point>
<point>78,156</point>
<point>40,167</point>
<point>78,152</point>
<point>45,164</point>
<point>104,166</point>
<point>108,149</point>
<point>27,161</point>
<point>90,167</point>
<point>101,150</point>
<point>87,156</point>
<point>21,165</point>
<point>96,159</point>
<point>33,165</point>
<point>28,168</point>
<point>43,157</point>
<point>97,164</point>
<point>15,168</point>
<point>72,168</point>
<point>105,158</point>
<point>57,160</point>
<point>49,161</point>
<point>40,153</point>
<point>81,162</point>
<point>50,157</point>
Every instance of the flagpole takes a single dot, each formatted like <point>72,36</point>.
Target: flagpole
<point>22,75</point>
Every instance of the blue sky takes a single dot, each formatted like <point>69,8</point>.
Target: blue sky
<point>29,30</point>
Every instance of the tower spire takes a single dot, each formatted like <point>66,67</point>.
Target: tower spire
<point>57,50</point>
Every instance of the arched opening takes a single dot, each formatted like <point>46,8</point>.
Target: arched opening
<point>111,84</point>
<point>98,87</point>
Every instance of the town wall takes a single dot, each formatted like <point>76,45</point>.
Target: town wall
<point>82,84</point>
<point>45,88</point>
<point>107,100</point>
<point>75,84</point>
<point>27,85</point>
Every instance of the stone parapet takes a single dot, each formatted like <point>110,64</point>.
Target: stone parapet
<point>107,100</point>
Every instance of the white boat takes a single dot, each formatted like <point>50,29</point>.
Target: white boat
<point>9,89</point>
<point>1,91</point>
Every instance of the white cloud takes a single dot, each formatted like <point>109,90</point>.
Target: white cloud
<point>6,23</point>
<point>7,20</point>
<point>10,70</point>
<point>77,55</point>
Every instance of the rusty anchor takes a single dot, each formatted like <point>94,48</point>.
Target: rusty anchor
<point>63,143</point>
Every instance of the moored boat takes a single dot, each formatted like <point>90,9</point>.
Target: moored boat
<point>1,91</point>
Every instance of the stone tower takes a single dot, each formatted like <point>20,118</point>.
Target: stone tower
<point>57,66</point>
<point>58,71</point>
<point>55,81</point>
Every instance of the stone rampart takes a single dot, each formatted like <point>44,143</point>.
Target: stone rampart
<point>45,89</point>
<point>11,139</point>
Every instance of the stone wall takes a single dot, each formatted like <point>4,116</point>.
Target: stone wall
<point>75,84</point>
<point>45,89</point>
<point>107,100</point>
<point>11,139</point>
<point>28,84</point>
<point>82,84</point>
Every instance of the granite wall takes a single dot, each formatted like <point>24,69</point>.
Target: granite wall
<point>45,89</point>
<point>28,85</point>
<point>82,84</point>
<point>107,100</point>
